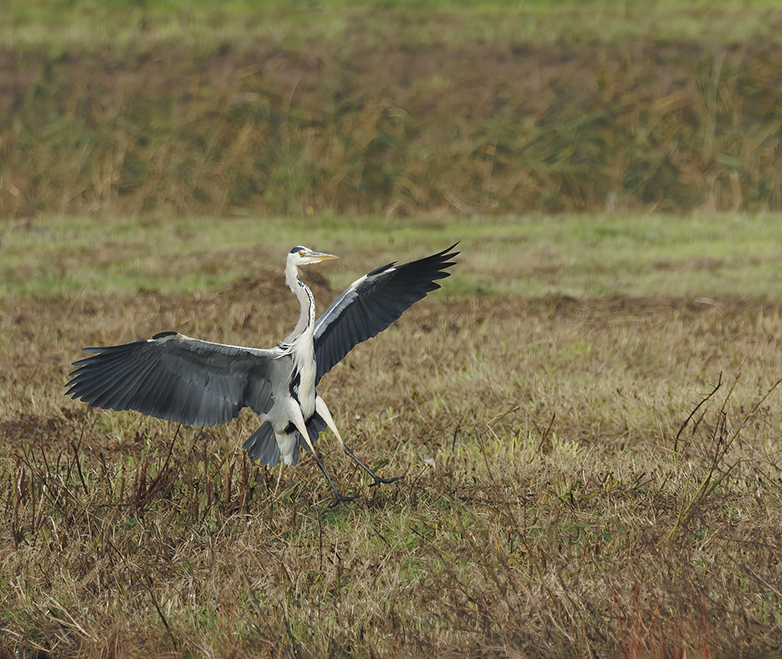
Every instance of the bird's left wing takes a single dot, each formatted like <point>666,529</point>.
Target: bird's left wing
<point>176,378</point>
<point>370,304</point>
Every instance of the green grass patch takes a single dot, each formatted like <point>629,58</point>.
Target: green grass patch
<point>704,256</point>
<point>137,24</point>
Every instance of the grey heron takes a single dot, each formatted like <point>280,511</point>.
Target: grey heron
<point>200,383</point>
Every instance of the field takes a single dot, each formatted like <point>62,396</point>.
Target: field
<point>586,416</point>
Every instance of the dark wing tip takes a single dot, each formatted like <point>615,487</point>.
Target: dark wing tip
<point>448,253</point>
<point>443,256</point>
<point>444,261</point>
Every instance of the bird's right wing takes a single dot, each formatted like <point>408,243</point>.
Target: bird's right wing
<point>370,304</point>
<point>176,378</point>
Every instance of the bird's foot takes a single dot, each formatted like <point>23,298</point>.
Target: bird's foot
<point>340,498</point>
<point>384,481</point>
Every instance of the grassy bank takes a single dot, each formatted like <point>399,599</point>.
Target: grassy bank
<point>590,474</point>
<point>127,110</point>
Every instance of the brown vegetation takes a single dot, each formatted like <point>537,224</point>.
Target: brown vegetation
<point>549,452</point>
<point>371,123</point>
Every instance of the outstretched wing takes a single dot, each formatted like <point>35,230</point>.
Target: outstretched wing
<point>176,378</point>
<point>370,304</point>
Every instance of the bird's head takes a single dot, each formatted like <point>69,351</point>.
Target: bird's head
<point>304,256</point>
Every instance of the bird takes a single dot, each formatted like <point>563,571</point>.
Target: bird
<point>201,383</point>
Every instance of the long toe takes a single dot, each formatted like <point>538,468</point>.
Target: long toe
<point>384,481</point>
<point>340,498</point>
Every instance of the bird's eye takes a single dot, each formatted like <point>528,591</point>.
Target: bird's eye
<point>301,253</point>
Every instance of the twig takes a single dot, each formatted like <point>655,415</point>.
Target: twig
<point>708,397</point>
<point>146,582</point>
<point>706,487</point>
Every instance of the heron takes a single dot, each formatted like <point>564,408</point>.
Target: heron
<point>201,383</point>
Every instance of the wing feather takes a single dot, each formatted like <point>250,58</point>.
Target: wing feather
<point>177,378</point>
<point>370,304</point>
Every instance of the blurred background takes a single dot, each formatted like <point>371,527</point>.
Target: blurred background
<point>125,108</point>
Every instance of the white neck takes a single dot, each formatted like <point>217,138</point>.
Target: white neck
<point>307,316</point>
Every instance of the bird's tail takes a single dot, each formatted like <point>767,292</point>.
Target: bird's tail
<point>262,444</point>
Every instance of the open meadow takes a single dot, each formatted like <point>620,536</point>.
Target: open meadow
<point>586,416</point>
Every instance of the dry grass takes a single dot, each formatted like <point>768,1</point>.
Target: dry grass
<point>549,450</point>
<point>226,113</point>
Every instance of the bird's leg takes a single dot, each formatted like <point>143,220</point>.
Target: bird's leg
<point>302,428</point>
<point>279,478</point>
<point>376,480</point>
<point>323,410</point>
<point>338,498</point>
